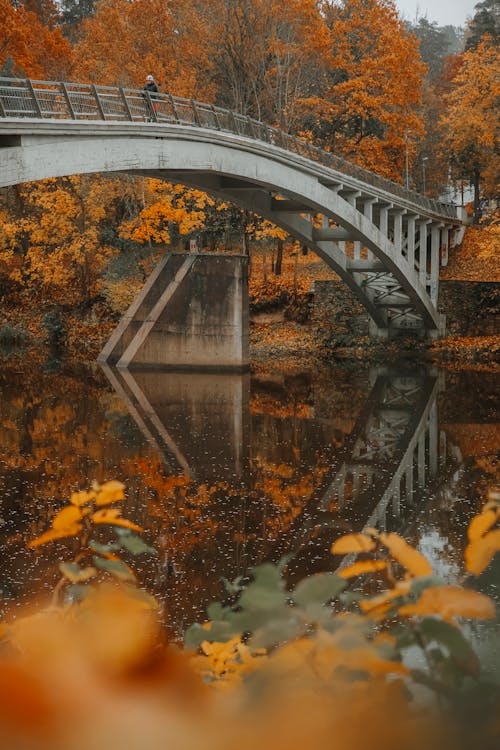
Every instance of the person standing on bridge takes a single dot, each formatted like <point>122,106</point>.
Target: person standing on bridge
<point>152,88</point>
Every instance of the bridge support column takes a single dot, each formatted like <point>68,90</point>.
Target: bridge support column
<point>423,253</point>
<point>435,248</point>
<point>410,230</point>
<point>191,314</point>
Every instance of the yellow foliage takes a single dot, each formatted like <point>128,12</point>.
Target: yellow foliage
<point>481,552</point>
<point>113,517</point>
<point>353,543</point>
<point>364,566</point>
<point>449,602</point>
<point>412,560</point>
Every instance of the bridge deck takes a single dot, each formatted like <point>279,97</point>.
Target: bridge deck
<point>49,100</point>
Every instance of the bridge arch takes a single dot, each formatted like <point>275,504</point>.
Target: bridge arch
<point>397,240</point>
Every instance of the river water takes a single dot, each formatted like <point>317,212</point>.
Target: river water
<point>226,471</point>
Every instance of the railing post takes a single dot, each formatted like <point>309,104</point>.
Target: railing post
<point>35,100</point>
<point>68,100</point>
<point>3,113</point>
<point>98,102</point>
<point>250,125</point>
<point>174,108</point>
<point>216,117</point>
<point>125,103</point>
<point>195,113</point>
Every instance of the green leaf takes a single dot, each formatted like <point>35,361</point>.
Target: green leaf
<point>78,592</point>
<point>135,544</point>
<point>257,597</point>
<point>117,568</point>
<point>268,576</point>
<point>350,597</point>
<point>405,636</point>
<point>319,588</point>
<point>194,636</point>
<point>276,632</point>
<point>451,637</point>
<point>215,611</point>
<point>218,631</point>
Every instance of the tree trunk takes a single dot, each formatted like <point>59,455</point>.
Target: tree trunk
<point>279,259</point>
<point>477,207</point>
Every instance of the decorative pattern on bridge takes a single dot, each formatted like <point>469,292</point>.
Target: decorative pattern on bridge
<point>384,241</point>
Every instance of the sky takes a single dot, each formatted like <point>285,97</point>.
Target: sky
<point>443,12</point>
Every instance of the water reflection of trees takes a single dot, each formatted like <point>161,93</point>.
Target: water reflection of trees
<point>301,440</point>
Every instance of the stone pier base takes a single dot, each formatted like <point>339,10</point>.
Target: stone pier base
<point>191,314</point>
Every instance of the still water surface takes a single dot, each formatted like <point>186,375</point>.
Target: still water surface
<point>226,471</point>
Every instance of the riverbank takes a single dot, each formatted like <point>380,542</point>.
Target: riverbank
<point>289,337</point>
<point>285,327</point>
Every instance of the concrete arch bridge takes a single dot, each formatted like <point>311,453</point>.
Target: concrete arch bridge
<point>386,242</point>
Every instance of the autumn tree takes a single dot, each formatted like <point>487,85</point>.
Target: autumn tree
<point>61,256</point>
<point>125,41</point>
<point>366,104</point>
<point>472,122</point>
<point>265,56</point>
<point>29,47</point>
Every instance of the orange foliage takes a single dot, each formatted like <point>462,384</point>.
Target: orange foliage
<point>373,86</point>
<point>471,121</point>
<point>36,50</point>
<point>478,256</point>
<point>125,41</point>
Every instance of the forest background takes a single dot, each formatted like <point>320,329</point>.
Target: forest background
<point>351,77</point>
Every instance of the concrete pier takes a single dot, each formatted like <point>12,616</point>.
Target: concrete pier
<point>191,314</point>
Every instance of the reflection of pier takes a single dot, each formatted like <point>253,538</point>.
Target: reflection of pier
<point>391,452</point>
<point>198,422</point>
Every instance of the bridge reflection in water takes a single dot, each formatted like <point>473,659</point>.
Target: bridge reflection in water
<point>200,425</point>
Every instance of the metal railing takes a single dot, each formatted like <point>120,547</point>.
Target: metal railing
<point>80,101</point>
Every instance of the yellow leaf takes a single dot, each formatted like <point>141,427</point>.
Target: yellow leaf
<point>364,566</point>
<point>481,552</point>
<point>480,524</point>
<point>449,602</point>
<point>353,543</point>
<point>112,516</point>
<point>52,534</point>
<point>412,560</point>
<point>66,518</point>
<point>81,498</point>
<point>382,601</point>
<point>110,492</point>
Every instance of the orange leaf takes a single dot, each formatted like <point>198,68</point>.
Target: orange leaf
<point>412,560</point>
<point>353,543</point>
<point>110,492</point>
<point>52,534</point>
<point>382,601</point>
<point>81,498</point>
<point>449,602</point>
<point>364,566</point>
<point>481,552</point>
<point>67,517</point>
<point>112,516</point>
<point>480,524</point>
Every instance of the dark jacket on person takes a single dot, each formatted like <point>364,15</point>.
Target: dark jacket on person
<point>151,87</point>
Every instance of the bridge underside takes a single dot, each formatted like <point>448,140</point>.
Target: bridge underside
<point>387,253</point>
